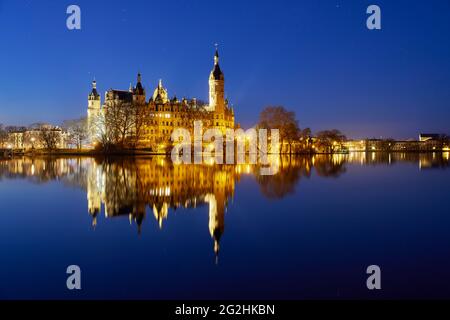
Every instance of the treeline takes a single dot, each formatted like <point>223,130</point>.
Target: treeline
<point>293,139</point>
<point>122,126</point>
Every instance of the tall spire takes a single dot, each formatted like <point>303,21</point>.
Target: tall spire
<point>216,56</point>
<point>94,94</point>
<point>139,89</point>
<point>216,73</point>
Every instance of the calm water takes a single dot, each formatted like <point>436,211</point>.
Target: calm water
<point>144,228</point>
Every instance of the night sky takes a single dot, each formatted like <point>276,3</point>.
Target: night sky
<point>314,57</point>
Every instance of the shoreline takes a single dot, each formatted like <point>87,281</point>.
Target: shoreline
<point>95,153</point>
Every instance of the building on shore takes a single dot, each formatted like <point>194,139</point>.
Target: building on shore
<point>430,136</point>
<point>152,121</point>
<point>40,137</point>
<point>435,142</point>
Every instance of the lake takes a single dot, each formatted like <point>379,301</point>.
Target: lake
<point>144,228</point>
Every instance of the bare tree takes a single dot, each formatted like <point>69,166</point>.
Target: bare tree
<point>277,117</point>
<point>49,138</point>
<point>330,140</point>
<point>121,125</point>
<point>99,134</point>
<point>3,136</point>
<point>118,122</point>
<point>141,118</point>
<point>77,130</point>
<point>305,139</point>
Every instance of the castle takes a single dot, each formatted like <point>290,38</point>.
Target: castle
<point>161,114</point>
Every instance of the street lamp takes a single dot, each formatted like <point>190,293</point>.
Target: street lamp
<point>32,142</point>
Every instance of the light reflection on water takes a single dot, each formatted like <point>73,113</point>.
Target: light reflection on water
<point>144,188</point>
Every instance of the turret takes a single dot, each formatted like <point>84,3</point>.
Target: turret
<point>94,98</point>
<point>160,94</point>
<point>93,111</point>
<point>216,220</point>
<point>216,87</point>
<point>139,91</point>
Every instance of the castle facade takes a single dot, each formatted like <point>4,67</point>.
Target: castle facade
<point>152,121</point>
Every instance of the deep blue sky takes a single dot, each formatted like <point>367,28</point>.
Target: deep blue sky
<point>314,57</point>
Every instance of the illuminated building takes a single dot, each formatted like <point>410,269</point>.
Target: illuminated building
<point>31,138</point>
<point>128,188</point>
<point>164,114</point>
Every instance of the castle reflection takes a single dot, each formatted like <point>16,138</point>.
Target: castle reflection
<point>135,187</point>
<point>128,186</point>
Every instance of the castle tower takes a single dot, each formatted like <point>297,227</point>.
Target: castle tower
<point>93,192</point>
<point>139,91</point>
<point>216,220</point>
<point>160,94</point>
<point>93,111</point>
<point>216,87</point>
<point>93,100</point>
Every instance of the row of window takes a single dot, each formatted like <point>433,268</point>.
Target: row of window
<point>183,115</point>
<point>185,124</point>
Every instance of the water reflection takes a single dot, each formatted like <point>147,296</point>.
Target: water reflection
<point>137,187</point>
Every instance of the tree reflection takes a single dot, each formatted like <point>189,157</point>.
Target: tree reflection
<point>290,170</point>
<point>330,165</point>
